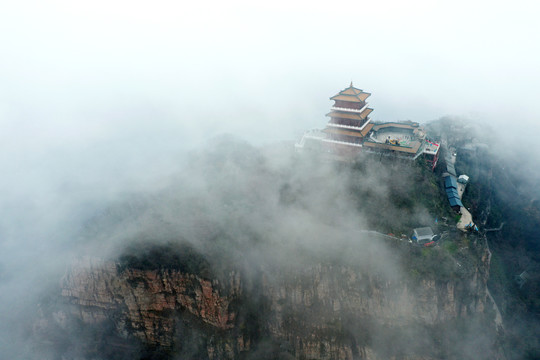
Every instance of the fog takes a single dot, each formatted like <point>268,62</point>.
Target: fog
<point>103,100</point>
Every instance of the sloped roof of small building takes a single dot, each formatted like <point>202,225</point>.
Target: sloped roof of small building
<point>455,202</point>
<point>450,182</point>
<point>423,232</point>
<point>451,192</point>
<point>463,178</point>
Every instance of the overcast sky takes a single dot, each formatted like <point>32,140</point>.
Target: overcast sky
<point>81,71</point>
<point>98,94</point>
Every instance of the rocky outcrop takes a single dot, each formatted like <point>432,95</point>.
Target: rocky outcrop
<point>335,312</point>
<point>147,301</point>
<point>321,311</point>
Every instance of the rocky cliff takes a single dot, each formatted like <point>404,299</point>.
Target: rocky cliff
<point>146,299</point>
<point>319,311</point>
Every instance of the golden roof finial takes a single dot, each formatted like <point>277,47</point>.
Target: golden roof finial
<point>351,84</point>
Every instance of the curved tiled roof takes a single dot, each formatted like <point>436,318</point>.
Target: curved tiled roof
<point>351,94</point>
<point>350,115</point>
<point>364,132</point>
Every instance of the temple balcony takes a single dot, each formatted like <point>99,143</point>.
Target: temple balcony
<point>348,109</point>
<point>313,134</point>
<point>350,127</point>
<point>431,148</point>
<point>341,142</point>
<point>318,135</point>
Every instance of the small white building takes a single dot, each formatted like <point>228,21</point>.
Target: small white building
<point>463,179</point>
<point>423,235</point>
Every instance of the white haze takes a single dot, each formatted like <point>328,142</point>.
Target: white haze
<point>103,98</point>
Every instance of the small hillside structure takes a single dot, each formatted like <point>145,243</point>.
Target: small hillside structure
<point>450,182</point>
<point>463,179</point>
<point>423,235</point>
<point>452,192</point>
<point>522,278</point>
<point>450,169</point>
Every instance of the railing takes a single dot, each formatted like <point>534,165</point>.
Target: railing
<point>315,134</point>
<point>349,110</point>
<point>393,154</point>
<point>431,149</point>
<point>341,142</point>
<point>349,126</point>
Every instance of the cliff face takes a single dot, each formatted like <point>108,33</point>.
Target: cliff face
<point>338,312</point>
<point>146,300</point>
<point>319,312</point>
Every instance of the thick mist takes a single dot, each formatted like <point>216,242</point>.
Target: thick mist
<point>111,115</point>
<point>240,207</point>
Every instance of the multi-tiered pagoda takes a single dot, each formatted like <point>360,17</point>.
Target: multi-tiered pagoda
<point>349,119</point>
<point>348,126</point>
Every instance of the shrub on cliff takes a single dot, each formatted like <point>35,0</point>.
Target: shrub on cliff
<point>169,256</point>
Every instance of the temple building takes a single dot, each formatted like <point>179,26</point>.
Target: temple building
<point>403,140</point>
<point>350,131</point>
<point>349,124</point>
<point>431,153</point>
<point>349,118</point>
